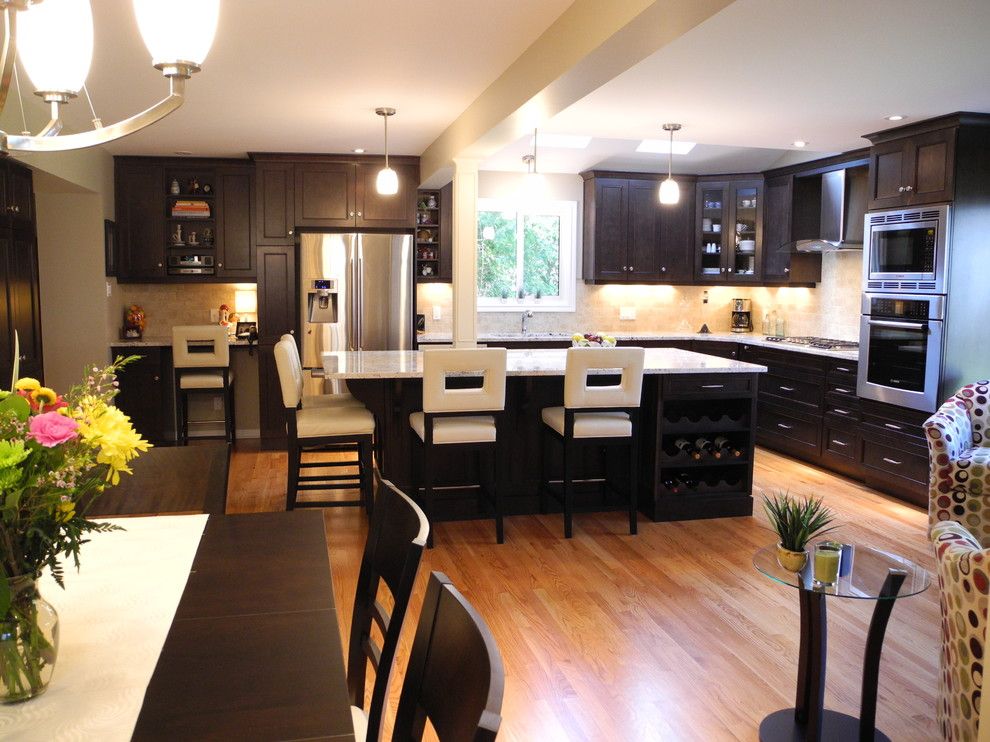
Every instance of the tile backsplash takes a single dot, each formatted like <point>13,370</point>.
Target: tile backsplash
<point>831,309</point>
<point>166,305</point>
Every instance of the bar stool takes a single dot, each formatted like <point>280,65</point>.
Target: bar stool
<point>315,400</point>
<point>450,420</point>
<point>335,429</point>
<point>205,352</point>
<point>595,416</point>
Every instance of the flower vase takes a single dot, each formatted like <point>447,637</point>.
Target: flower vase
<point>28,641</point>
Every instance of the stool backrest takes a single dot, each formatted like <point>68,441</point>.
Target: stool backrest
<point>289,370</point>
<point>582,361</point>
<point>489,363</point>
<point>200,346</point>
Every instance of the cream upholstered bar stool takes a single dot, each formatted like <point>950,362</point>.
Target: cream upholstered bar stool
<point>343,428</point>
<point>460,418</point>
<point>343,399</point>
<point>201,358</point>
<point>595,415</point>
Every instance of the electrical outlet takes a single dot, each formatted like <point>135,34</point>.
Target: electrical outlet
<point>109,289</point>
<point>436,312</point>
<point>705,299</point>
<point>627,312</point>
<point>214,315</point>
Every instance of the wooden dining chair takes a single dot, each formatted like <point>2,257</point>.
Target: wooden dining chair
<point>455,676</point>
<point>396,538</point>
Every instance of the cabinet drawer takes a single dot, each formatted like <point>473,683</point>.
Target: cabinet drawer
<point>842,373</point>
<point>841,408</point>
<point>714,384</point>
<point>895,461</point>
<point>806,393</point>
<point>792,431</point>
<point>842,390</point>
<point>841,441</point>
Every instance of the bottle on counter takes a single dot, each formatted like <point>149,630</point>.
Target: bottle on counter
<point>766,323</point>
<point>778,326</point>
<point>685,446</point>
<point>772,323</point>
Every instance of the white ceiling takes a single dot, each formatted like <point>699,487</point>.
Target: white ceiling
<point>763,73</point>
<point>306,75</point>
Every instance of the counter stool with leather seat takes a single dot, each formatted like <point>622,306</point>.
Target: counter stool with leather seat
<point>315,429</point>
<point>461,417</point>
<point>594,415</point>
<point>201,358</point>
<point>342,399</point>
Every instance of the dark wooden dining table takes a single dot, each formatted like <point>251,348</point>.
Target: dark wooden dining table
<point>254,650</point>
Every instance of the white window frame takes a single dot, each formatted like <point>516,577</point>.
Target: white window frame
<point>567,212</point>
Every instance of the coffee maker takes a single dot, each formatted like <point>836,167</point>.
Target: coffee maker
<point>742,311</point>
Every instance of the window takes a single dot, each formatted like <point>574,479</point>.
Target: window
<point>526,255</point>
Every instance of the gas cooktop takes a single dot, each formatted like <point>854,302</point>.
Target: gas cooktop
<point>816,342</point>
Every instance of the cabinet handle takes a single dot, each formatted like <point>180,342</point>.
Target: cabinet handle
<point>663,269</point>
<point>840,390</point>
<point>786,388</point>
<point>713,386</point>
<point>900,189</point>
<point>785,427</point>
<point>787,270</point>
<point>908,188</point>
<point>843,369</point>
<point>891,461</point>
<point>839,411</point>
<point>155,378</point>
<point>290,231</point>
<point>24,357</point>
<point>839,443</point>
<point>892,426</point>
<point>159,265</point>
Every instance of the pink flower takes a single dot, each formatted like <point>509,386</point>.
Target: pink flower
<point>51,429</point>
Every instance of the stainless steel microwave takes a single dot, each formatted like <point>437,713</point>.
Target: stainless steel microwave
<point>907,250</point>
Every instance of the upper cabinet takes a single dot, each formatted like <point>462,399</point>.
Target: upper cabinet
<point>140,209</point>
<point>910,170</point>
<point>629,236</point>
<point>275,211</point>
<point>235,223</point>
<point>729,230</point>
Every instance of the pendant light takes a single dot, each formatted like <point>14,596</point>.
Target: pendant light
<point>533,184</point>
<point>387,183</point>
<point>669,192</point>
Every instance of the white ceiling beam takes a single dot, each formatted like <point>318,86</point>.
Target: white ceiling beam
<point>589,44</point>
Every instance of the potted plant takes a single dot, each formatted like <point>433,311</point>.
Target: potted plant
<point>796,522</point>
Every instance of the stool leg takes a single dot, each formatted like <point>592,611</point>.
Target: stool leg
<point>568,488</point>
<point>184,412</point>
<point>295,455</point>
<point>365,472</point>
<point>497,498</point>
<point>633,484</point>
<point>428,492</point>
<point>545,470</point>
<point>229,414</point>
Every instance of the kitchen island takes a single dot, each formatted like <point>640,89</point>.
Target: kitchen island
<point>685,395</point>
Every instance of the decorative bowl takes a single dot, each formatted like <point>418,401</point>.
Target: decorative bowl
<point>592,340</point>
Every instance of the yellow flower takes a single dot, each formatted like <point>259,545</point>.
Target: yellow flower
<point>65,511</point>
<point>27,384</point>
<point>112,432</point>
<point>43,396</point>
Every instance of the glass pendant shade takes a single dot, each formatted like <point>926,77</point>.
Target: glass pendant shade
<point>670,192</point>
<point>177,30</point>
<point>387,183</point>
<point>55,44</point>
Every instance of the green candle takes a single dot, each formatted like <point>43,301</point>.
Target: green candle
<point>827,557</point>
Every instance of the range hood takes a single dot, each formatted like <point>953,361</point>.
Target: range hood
<point>841,197</point>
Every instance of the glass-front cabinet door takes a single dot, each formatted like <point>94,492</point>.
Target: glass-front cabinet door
<point>746,236</point>
<point>712,208</point>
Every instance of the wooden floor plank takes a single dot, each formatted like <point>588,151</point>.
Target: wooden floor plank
<point>668,635</point>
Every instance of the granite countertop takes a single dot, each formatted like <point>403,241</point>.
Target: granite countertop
<point>725,337</point>
<point>408,364</point>
<point>159,342</point>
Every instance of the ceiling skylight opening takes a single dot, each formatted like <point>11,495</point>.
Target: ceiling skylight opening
<point>662,147</point>
<point>562,141</point>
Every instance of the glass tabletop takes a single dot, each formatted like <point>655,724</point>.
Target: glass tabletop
<point>861,577</point>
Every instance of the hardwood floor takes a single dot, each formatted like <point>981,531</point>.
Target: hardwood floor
<point>668,635</point>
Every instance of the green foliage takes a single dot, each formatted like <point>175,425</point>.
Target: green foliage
<point>505,267</point>
<point>797,521</point>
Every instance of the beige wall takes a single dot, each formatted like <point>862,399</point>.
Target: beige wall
<point>166,305</point>
<point>831,309</point>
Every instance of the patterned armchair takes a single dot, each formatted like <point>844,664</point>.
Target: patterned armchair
<point>959,460</point>
<point>963,585</point>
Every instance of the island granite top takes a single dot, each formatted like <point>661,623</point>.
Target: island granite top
<point>408,364</point>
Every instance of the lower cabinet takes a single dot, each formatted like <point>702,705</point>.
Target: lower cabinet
<point>146,394</point>
<point>272,411</point>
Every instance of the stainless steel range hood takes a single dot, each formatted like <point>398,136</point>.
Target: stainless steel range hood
<point>843,209</point>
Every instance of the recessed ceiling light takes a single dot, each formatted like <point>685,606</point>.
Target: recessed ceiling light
<point>800,143</point>
<point>183,152</point>
<point>358,150</point>
<point>662,146</point>
<point>563,141</point>
<point>895,117</point>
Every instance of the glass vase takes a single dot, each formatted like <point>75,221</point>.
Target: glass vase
<point>28,642</point>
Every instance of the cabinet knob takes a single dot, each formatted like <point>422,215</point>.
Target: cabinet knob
<point>156,377</point>
<point>625,267</point>
<point>631,269</point>
<point>350,213</point>
<point>908,188</point>
<point>292,332</point>
<point>290,231</point>
<point>787,270</point>
<point>219,265</point>
<point>159,265</point>
<point>728,270</point>
<point>663,269</point>
<point>900,189</point>
<point>359,214</point>
<point>24,357</point>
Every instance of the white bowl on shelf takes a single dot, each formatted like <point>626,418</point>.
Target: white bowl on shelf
<point>747,246</point>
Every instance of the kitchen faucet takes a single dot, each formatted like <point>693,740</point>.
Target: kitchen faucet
<point>525,320</point>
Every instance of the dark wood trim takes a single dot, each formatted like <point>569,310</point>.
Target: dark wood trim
<point>319,158</point>
<point>959,118</point>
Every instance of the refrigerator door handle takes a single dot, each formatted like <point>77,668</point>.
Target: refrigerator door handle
<point>352,336</point>
<point>359,284</point>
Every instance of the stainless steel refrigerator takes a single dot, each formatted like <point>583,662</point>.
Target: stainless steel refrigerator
<point>355,293</point>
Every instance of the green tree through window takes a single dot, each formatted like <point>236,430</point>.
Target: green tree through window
<point>518,251</point>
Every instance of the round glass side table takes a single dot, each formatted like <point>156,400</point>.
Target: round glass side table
<point>868,574</point>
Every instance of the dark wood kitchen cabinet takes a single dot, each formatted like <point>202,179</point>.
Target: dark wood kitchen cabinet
<point>139,189</point>
<point>910,170</point>
<point>628,235</point>
<point>729,230</point>
<point>275,210</point>
<point>325,195</point>
<point>375,211</point>
<point>16,195</point>
<point>145,392</point>
<point>276,317</point>
<point>235,223</point>
<point>24,299</point>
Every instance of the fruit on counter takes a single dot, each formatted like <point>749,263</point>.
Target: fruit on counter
<point>593,339</point>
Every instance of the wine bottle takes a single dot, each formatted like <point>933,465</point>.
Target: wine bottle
<point>687,480</point>
<point>685,446</point>
<point>672,485</point>
<point>724,445</point>
<point>703,444</point>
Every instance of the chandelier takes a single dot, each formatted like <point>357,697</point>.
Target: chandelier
<point>55,39</point>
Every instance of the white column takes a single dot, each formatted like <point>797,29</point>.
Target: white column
<point>465,267</point>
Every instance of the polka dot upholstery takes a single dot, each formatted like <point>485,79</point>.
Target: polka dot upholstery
<point>964,580</point>
<point>959,461</point>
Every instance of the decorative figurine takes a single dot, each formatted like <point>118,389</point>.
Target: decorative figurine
<point>177,235</point>
<point>194,185</point>
<point>134,321</point>
<point>207,188</point>
<point>207,236</point>
<point>432,202</point>
<point>174,189</point>
<point>224,315</point>
<point>193,239</point>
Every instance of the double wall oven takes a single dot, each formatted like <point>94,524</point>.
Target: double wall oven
<point>904,273</point>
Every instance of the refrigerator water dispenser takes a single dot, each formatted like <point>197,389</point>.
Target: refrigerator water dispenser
<point>323,301</point>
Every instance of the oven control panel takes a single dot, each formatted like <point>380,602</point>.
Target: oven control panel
<point>905,307</point>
